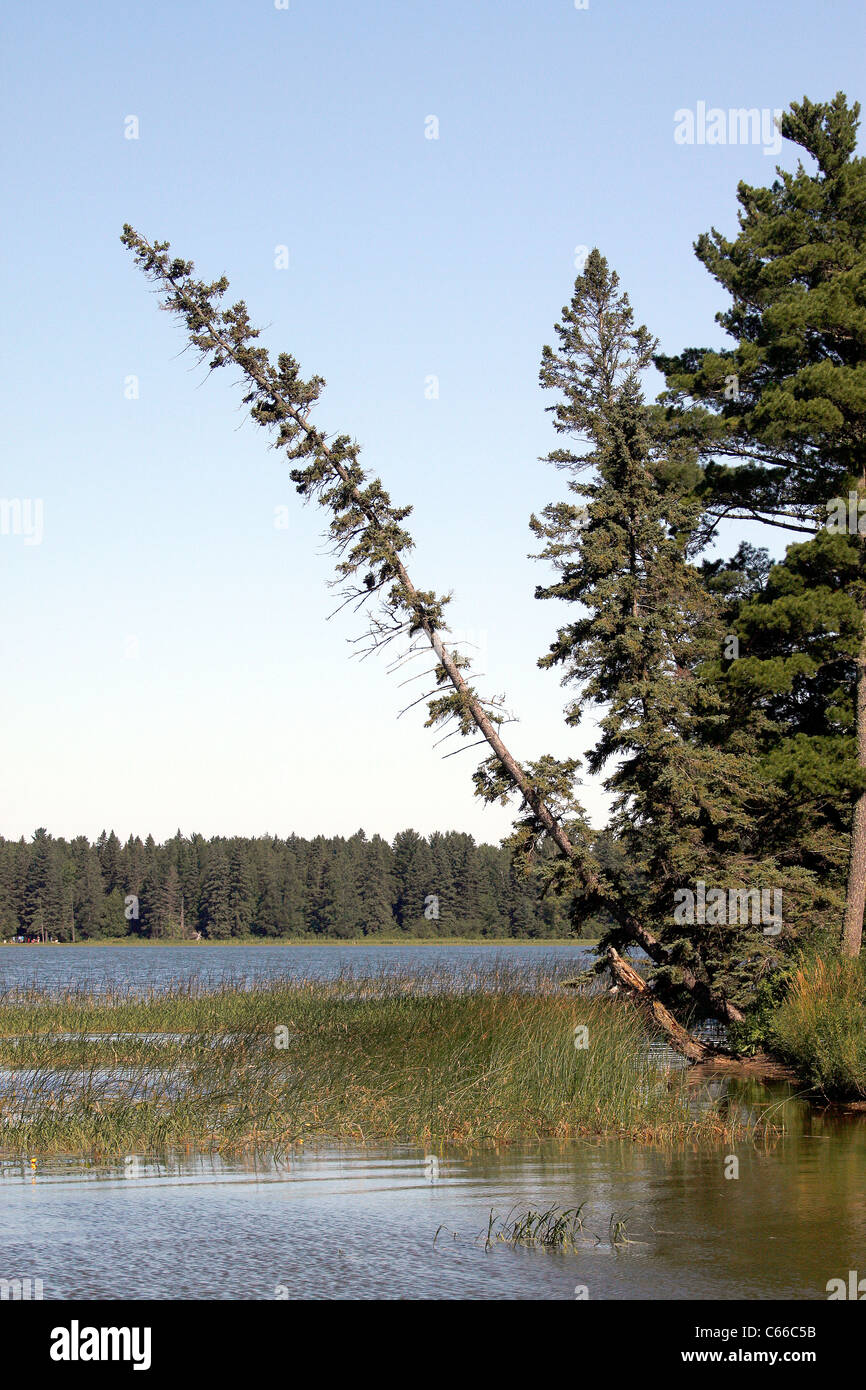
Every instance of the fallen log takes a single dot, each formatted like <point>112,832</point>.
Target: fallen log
<point>678,1036</point>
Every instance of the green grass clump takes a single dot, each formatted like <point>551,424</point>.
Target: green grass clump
<point>424,1057</point>
<point>820,1026</point>
<point>555,1228</point>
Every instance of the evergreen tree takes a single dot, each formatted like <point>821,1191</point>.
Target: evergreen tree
<point>270,913</point>
<point>492,891</point>
<point>133,865</point>
<point>11,889</point>
<point>376,889</point>
<point>160,898</point>
<point>88,896</point>
<point>110,861</point>
<point>444,853</point>
<point>296,901</point>
<point>43,908</point>
<point>685,792</point>
<point>241,891</point>
<point>780,418</point>
<point>467,881</point>
<point>216,911</point>
<point>792,677</point>
<point>337,911</point>
<point>414,875</point>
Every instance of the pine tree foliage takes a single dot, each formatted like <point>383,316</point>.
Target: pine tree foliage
<point>332,888</point>
<point>791,682</point>
<point>686,783</point>
<point>785,407</point>
<point>780,418</point>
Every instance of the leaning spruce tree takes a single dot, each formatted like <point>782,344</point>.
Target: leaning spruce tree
<point>371,543</point>
<point>780,417</point>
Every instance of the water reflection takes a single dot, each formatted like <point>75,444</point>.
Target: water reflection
<point>348,1223</point>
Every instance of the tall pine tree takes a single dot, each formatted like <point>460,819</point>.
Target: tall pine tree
<point>780,417</point>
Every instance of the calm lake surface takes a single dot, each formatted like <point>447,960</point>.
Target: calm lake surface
<point>157,967</point>
<point>363,1223</point>
<point>342,1222</point>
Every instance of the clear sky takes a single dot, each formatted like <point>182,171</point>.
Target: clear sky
<point>165,652</point>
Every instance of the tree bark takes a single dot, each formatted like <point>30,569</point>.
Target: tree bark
<point>681,1040</point>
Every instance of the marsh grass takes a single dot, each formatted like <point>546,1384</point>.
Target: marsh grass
<point>400,1057</point>
<point>554,1229</point>
<point>820,1026</point>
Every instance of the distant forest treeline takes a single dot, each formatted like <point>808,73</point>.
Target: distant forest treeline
<point>444,885</point>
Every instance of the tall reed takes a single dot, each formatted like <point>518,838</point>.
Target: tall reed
<point>820,1026</point>
<point>425,1057</point>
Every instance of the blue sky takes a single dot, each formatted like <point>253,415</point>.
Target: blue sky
<point>166,655</point>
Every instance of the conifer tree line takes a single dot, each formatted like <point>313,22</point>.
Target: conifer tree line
<point>443,885</point>
<point>730,691</point>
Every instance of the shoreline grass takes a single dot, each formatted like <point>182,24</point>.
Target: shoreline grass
<point>429,1057</point>
<point>819,1027</point>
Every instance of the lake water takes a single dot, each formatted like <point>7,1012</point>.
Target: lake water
<point>98,968</point>
<point>376,1223</point>
<point>341,1222</point>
